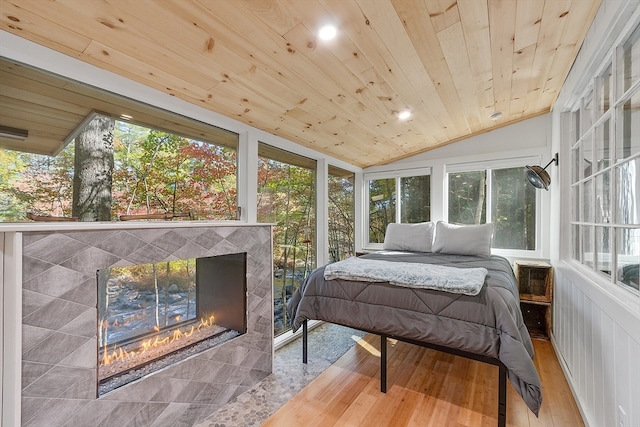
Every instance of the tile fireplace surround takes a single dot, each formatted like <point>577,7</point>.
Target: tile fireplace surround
<point>55,382</point>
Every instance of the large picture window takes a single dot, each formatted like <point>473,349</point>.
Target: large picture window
<point>402,197</point>
<point>141,172</point>
<point>500,195</point>
<point>605,184</point>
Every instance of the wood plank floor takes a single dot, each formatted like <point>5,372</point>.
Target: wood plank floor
<point>425,388</point>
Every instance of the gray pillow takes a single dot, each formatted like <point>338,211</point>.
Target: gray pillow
<point>409,237</point>
<point>463,239</point>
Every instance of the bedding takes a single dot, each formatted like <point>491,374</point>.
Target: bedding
<point>409,237</point>
<point>488,324</point>
<point>463,239</point>
<point>467,281</point>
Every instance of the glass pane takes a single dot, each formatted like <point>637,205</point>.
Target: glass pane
<point>629,132</point>
<point>382,207</point>
<point>587,245</point>
<point>628,271</point>
<point>286,197</point>
<point>604,91</point>
<point>628,191</point>
<point>513,210</point>
<point>587,113</point>
<point>575,250</point>
<point>576,164</point>
<point>341,214</point>
<point>415,202</point>
<point>153,175</point>
<point>587,168</point>
<point>467,197</point>
<point>603,202</point>
<point>575,199</point>
<point>603,154</point>
<point>603,249</point>
<point>630,61</point>
<point>587,201</point>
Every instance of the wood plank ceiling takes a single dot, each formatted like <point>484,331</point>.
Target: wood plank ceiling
<point>451,63</point>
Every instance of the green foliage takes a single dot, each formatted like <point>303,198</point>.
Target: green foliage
<point>382,207</point>
<point>467,201</point>
<point>154,172</point>
<point>341,217</point>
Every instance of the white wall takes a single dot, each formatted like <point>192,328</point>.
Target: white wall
<point>528,140</point>
<point>596,325</point>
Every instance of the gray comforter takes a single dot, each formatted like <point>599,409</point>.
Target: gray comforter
<point>488,324</point>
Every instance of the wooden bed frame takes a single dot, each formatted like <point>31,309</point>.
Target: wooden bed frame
<point>502,375</point>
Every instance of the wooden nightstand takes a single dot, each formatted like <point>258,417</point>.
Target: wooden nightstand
<point>535,286</point>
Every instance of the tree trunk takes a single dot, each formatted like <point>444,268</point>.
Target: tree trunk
<point>93,171</point>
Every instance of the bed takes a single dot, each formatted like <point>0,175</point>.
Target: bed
<point>487,326</point>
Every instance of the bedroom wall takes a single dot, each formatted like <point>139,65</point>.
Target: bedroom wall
<point>530,139</point>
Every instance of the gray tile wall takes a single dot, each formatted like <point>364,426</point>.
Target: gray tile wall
<point>59,342</point>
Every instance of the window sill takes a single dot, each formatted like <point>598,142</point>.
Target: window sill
<point>287,337</point>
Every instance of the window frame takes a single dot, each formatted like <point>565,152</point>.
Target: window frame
<point>397,175</point>
<point>488,166</point>
<point>584,231</point>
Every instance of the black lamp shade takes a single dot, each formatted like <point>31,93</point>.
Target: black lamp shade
<point>538,177</point>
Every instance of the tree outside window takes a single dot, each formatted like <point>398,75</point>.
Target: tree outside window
<point>139,170</point>
<point>505,194</point>
<point>403,198</point>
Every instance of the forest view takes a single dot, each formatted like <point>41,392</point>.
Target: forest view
<point>142,171</point>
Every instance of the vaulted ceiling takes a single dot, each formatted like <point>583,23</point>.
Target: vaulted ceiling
<point>451,63</point>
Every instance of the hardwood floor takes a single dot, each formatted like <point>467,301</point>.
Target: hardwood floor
<point>425,388</point>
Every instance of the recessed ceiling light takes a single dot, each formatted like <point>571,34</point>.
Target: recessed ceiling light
<point>404,115</point>
<point>495,115</point>
<point>327,32</point>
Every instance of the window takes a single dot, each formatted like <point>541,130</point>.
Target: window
<point>132,158</point>
<point>499,195</point>
<point>141,171</point>
<point>287,198</point>
<point>341,214</point>
<point>605,185</point>
<point>414,190</point>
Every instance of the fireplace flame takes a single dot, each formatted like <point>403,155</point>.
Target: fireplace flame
<point>119,354</point>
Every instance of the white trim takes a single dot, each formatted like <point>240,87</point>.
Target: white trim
<point>397,173</point>
<point>12,329</point>
<point>503,163</point>
<point>322,212</point>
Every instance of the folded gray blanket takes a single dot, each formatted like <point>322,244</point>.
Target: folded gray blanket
<point>456,280</point>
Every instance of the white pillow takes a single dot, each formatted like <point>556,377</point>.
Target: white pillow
<point>463,239</point>
<point>409,237</point>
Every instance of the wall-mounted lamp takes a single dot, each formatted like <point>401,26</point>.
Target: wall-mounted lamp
<point>538,176</point>
<point>13,133</point>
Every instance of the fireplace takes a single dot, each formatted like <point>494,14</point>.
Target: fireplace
<point>53,378</point>
<point>156,314</point>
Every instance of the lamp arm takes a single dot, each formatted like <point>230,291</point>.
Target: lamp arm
<point>555,159</point>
